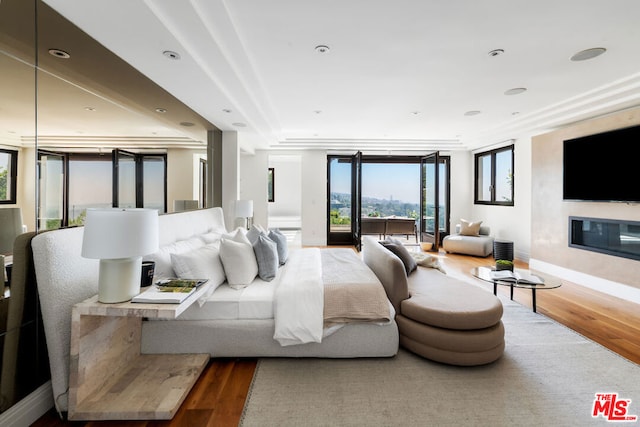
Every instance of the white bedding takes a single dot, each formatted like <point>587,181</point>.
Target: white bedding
<point>299,300</point>
<point>294,299</point>
<point>253,302</point>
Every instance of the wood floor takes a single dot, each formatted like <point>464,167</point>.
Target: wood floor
<point>218,397</point>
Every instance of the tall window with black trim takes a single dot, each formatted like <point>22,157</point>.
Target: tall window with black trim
<point>8,176</point>
<point>494,177</point>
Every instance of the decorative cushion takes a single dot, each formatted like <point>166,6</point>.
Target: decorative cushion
<point>201,263</point>
<point>254,232</point>
<point>266,251</point>
<point>162,258</point>
<point>239,261</point>
<point>281,241</point>
<point>211,237</point>
<point>468,228</point>
<point>401,252</point>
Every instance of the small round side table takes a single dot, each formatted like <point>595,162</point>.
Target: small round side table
<point>503,249</point>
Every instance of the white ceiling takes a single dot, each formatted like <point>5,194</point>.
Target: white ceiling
<point>399,74</point>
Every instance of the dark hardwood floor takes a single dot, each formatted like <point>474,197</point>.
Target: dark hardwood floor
<point>218,397</point>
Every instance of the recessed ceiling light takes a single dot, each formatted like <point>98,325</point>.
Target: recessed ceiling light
<point>161,110</point>
<point>515,91</point>
<point>472,113</point>
<point>226,110</point>
<point>496,52</point>
<point>171,54</point>
<point>583,55</point>
<point>186,124</point>
<point>322,48</point>
<point>58,53</point>
<point>89,109</point>
<point>415,113</point>
<point>239,125</point>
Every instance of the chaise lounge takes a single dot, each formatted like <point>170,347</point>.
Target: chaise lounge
<point>438,317</point>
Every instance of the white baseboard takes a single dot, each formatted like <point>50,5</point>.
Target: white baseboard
<point>619,290</point>
<point>30,409</point>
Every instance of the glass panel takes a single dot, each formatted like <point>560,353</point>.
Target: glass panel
<point>612,237</point>
<point>429,196</point>
<point>6,175</point>
<point>90,186</point>
<point>153,183</point>
<point>390,189</point>
<point>126,180</point>
<point>442,197</point>
<point>484,178</point>
<point>51,209</point>
<point>504,176</point>
<point>340,195</point>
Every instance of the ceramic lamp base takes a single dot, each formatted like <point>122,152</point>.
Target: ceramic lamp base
<point>119,279</point>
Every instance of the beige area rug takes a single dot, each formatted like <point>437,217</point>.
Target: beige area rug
<point>549,376</point>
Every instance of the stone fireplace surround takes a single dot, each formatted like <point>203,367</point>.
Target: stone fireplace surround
<point>550,249</point>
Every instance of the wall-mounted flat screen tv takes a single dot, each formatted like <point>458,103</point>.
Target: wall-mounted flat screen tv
<point>604,167</point>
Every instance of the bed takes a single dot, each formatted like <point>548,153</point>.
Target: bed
<point>227,322</point>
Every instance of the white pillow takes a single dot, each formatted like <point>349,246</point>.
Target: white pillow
<point>211,237</point>
<point>162,258</point>
<point>202,263</point>
<point>239,261</point>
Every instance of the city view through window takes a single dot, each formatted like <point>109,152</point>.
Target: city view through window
<point>388,189</point>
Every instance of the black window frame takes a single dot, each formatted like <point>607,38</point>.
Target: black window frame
<point>492,154</point>
<point>12,176</point>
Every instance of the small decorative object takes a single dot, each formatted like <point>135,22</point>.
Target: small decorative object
<point>119,238</point>
<point>504,264</point>
<point>148,269</point>
<point>426,246</point>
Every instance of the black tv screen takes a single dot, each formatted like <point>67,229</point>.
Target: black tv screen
<point>604,167</point>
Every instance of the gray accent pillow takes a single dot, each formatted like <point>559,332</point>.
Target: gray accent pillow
<point>266,252</point>
<point>401,252</point>
<point>281,241</point>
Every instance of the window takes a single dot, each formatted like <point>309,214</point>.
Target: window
<point>72,182</point>
<point>8,176</point>
<point>494,177</point>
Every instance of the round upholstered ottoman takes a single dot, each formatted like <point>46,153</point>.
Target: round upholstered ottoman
<point>452,322</point>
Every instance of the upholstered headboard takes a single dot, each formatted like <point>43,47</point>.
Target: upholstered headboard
<point>65,278</point>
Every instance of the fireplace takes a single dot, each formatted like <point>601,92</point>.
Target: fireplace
<point>608,236</point>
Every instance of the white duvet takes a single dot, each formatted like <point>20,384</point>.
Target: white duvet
<point>299,300</point>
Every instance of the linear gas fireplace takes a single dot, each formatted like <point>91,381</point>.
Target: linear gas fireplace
<point>607,236</point>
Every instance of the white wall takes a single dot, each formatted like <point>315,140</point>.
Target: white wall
<point>288,185</point>
<point>182,175</point>
<point>253,183</point>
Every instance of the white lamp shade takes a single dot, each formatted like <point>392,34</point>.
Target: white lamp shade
<point>244,208</point>
<point>120,233</point>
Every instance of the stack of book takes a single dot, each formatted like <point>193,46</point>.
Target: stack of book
<point>169,291</point>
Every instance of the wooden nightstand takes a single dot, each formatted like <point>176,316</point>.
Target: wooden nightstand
<point>108,377</point>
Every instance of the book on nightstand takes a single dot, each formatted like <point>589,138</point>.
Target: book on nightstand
<point>169,291</point>
<point>516,277</point>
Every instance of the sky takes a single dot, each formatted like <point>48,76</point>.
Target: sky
<point>380,180</point>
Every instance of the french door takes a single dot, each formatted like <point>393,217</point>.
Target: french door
<point>344,185</point>
<point>434,199</point>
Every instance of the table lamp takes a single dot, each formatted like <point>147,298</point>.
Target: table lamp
<point>119,238</point>
<point>244,209</point>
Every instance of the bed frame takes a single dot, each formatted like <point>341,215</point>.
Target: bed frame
<point>65,279</point>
